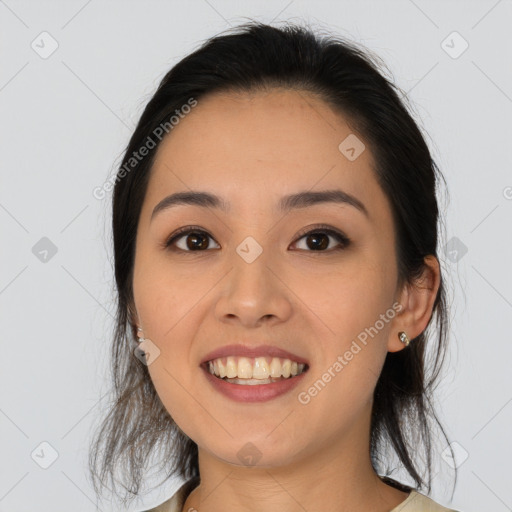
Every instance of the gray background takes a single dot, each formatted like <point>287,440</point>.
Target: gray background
<point>65,119</point>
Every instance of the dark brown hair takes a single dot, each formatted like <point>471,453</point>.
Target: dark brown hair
<point>256,56</point>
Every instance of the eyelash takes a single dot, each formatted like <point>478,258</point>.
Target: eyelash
<point>320,228</point>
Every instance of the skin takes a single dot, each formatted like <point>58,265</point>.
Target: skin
<point>251,149</point>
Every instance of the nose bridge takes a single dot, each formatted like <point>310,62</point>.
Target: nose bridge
<point>251,268</point>
<point>252,289</point>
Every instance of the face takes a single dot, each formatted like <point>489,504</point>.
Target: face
<point>314,295</point>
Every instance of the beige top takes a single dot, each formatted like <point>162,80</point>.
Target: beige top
<point>415,502</point>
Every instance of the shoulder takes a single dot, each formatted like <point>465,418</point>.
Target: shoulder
<point>415,502</point>
<point>176,501</point>
<point>418,502</point>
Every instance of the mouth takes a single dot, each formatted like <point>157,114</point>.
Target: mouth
<point>246,373</point>
<point>249,371</point>
<point>249,389</point>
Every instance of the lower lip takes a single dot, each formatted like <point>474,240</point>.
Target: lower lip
<point>253,393</point>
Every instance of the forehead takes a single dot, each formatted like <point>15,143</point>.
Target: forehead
<point>256,147</point>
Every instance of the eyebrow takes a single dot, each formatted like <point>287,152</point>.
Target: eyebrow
<point>286,203</point>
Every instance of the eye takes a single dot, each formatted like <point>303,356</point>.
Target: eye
<point>317,239</point>
<point>194,243</point>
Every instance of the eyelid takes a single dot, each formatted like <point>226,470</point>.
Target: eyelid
<point>185,230</point>
<point>339,235</point>
<point>343,239</point>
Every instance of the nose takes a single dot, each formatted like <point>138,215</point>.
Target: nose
<point>253,293</point>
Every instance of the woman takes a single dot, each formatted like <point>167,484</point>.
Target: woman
<point>275,229</point>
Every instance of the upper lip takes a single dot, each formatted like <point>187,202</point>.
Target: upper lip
<point>252,351</point>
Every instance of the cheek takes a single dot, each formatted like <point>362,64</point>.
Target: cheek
<point>161,298</point>
<point>166,318</point>
<point>347,300</point>
<point>169,322</point>
<point>168,307</point>
<point>357,308</point>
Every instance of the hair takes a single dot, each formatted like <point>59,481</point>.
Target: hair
<point>259,57</point>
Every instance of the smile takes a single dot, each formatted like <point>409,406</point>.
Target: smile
<point>249,388</point>
<point>254,370</point>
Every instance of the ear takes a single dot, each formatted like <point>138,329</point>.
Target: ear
<point>417,300</point>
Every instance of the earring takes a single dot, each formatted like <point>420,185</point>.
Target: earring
<point>403,338</point>
<point>139,352</point>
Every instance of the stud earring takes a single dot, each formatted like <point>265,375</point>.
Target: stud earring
<point>403,338</point>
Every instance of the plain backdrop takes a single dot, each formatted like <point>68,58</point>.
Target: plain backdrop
<point>74,78</point>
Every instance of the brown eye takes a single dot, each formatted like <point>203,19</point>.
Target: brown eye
<point>318,239</point>
<point>195,240</point>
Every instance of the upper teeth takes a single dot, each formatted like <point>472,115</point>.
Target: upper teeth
<point>254,367</point>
